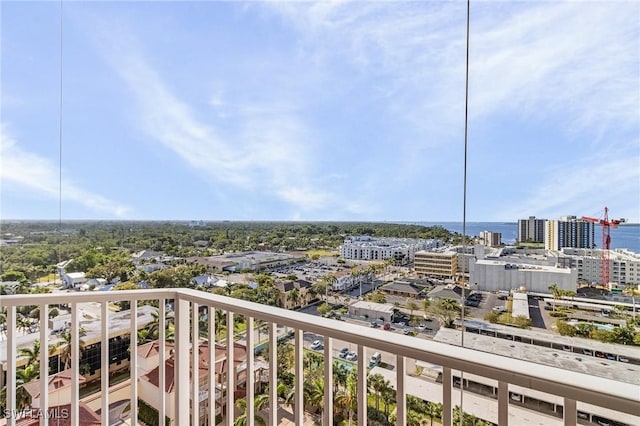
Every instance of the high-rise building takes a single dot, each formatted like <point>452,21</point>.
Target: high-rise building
<point>568,231</point>
<point>531,230</point>
<point>490,239</point>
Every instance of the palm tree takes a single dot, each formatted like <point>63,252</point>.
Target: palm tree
<point>433,411</point>
<point>294,296</point>
<point>260,402</point>
<point>631,291</point>
<point>347,399</point>
<point>32,354</point>
<point>315,394</point>
<point>24,375</point>
<point>376,383</point>
<point>65,355</point>
<point>553,288</point>
<point>388,395</point>
<point>340,374</point>
<point>220,321</point>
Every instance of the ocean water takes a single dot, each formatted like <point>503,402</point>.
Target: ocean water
<point>624,236</point>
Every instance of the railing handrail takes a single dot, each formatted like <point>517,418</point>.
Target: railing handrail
<point>599,391</point>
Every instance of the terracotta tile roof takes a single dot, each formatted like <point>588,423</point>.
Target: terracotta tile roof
<point>151,349</point>
<point>61,416</point>
<point>239,354</point>
<point>56,381</point>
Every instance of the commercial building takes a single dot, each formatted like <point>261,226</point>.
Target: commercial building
<point>248,260</point>
<point>568,231</point>
<point>531,230</point>
<point>370,248</point>
<point>371,310</point>
<point>495,275</point>
<point>624,265</point>
<point>429,263</point>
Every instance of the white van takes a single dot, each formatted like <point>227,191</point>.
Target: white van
<point>375,359</point>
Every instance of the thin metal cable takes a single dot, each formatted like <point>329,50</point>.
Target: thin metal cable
<point>60,165</point>
<point>464,206</point>
<point>60,126</point>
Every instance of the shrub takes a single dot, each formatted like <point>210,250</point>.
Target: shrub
<point>565,329</point>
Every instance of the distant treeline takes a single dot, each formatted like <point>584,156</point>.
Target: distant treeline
<point>46,243</point>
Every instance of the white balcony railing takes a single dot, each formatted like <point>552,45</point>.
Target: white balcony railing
<point>571,388</point>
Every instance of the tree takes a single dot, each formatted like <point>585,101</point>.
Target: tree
<point>553,288</point>
<point>377,297</point>
<point>25,375</point>
<point>388,395</point>
<point>565,329</point>
<point>294,296</point>
<point>347,398</point>
<point>433,411</point>
<point>324,309</point>
<point>377,383</point>
<point>13,276</point>
<point>32,354</point>
<point>314,392</point>
<point>411,306</point>
<point>260,402</point>
<point>340,374</point>
<point>445,311</point>
<point>632,291</point>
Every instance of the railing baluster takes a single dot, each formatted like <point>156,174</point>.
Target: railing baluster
<point>75,360</point>
<point>195,370</point>
<point>401,395</point>
<point>570,412</point>
<point>231,371</point>
<point>44,363</point>
<point>133,355</point>
<point>11,365</point>
<point>273,374</point>
<point>299,377</point>
<point>181,361</point>
<point>362,387</point>
<point>446,396</point>
<point>212,366</point>
<point>327,412</point>
<point>503,403</point>
<point>250,378</point>
<point>104,362</point>
<point>162,360</point>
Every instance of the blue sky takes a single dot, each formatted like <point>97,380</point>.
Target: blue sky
<point>320,111</point>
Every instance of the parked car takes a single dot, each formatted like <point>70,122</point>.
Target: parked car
<point>351,356</point>
<point>500,309</point>
<point>343,352</point>
<point>374,324</point>
<point>386,326</point>
<point>317,344</point>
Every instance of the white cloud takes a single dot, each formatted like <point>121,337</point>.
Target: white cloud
<point>268,154</point>
<point>526,58</point>
<point>584,188</point>
<point>30,171</point>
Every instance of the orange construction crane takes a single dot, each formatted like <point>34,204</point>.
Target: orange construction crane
<point>606,242</point>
